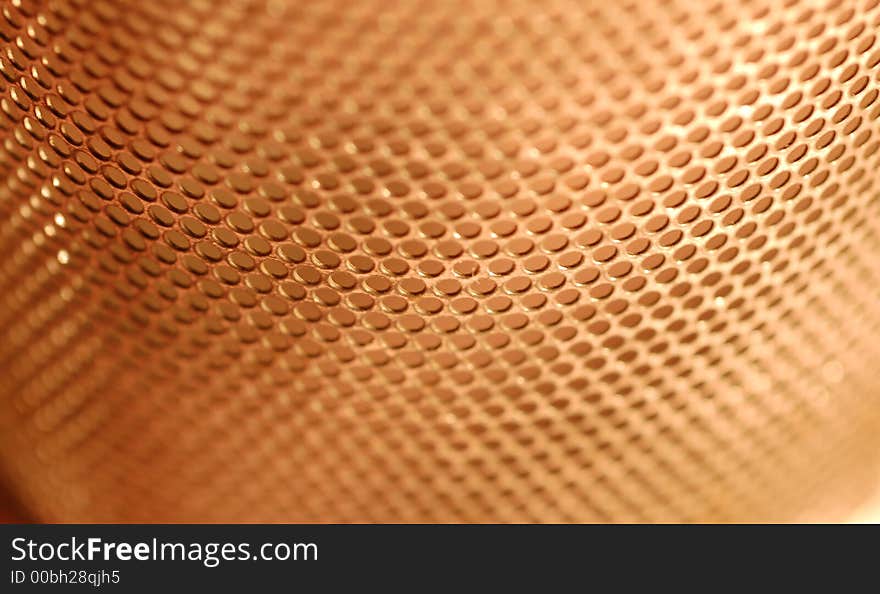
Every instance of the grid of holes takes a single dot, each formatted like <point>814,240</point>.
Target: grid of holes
<point>439,260</point>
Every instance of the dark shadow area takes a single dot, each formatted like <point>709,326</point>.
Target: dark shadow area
<point>11,510</point>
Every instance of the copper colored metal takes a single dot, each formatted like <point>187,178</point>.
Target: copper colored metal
<point>440,260</point>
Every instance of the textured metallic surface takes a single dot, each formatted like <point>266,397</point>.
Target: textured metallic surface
<point>440,260</point>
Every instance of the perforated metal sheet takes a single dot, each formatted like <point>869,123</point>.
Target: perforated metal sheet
<point>440,260</point>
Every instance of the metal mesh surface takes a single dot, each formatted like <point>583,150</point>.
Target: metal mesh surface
<point>440,260</point>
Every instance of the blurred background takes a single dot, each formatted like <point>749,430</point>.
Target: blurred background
<point>11,512</point>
